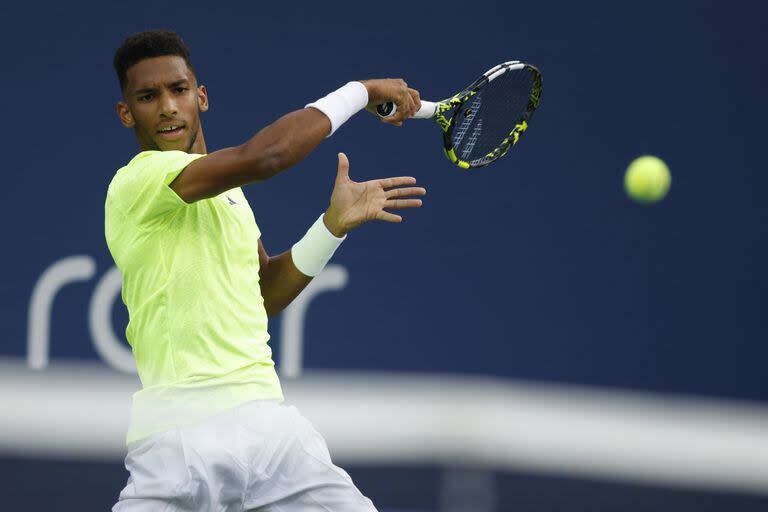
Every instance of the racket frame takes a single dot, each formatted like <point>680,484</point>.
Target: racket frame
<point>456,101</point>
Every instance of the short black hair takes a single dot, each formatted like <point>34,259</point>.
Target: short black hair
<point>145,45</point>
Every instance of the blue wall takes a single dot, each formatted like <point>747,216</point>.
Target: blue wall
<point>538,267</point>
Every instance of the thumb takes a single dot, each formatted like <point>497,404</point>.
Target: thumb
<point>343,173</point>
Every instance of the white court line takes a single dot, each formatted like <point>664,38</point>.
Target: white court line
<point>81,410</point>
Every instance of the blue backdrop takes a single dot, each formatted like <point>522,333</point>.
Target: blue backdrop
<point>538,267</point>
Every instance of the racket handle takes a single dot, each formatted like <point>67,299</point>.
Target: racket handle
<point>427,110</point>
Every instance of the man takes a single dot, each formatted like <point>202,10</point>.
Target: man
<point>208,429</point>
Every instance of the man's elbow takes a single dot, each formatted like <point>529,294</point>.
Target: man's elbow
<point>272,309</point>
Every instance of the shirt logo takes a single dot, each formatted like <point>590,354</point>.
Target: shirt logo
<point>230,200</point>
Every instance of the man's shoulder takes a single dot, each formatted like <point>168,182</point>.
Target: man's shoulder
<point>151,162</point>
<point>140,159</point>
<point>140,188</point>
<point>150,159</point>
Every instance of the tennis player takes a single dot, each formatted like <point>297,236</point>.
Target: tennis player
<point>209,431</point>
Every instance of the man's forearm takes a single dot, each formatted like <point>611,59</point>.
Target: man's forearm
<point>287,141</point>
<point>281,282</point>
<point>284,143</point>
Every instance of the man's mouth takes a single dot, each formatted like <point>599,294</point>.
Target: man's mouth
<point>171,131</point>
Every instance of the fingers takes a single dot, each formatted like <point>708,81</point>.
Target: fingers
<point>396,204</point>
<point>396,90</point>
<point>416,97</point>
<point>405,192</point>
<point>406,105</point>
<point>389,217</point>
<point>389,120</point>
<point>343,171</point>
<point>397,182</point>
<point>410,105</point>
<point>404,108</point>
<point>398,198</point>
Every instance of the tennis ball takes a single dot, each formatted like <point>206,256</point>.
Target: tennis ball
<point>647,179</point>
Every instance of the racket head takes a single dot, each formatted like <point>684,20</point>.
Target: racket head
<point>481,123</point>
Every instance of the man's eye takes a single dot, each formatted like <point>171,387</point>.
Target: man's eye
<point>146,97</point>
<point>181,89</point>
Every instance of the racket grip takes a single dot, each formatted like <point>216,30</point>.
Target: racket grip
<point>427,110</point>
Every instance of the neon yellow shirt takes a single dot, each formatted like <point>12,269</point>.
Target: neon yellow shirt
<point>197,323</point>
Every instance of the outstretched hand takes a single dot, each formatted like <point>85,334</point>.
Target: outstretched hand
<point>354,203</point>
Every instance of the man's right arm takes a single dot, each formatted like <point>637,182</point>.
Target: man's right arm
<point>279,146</point>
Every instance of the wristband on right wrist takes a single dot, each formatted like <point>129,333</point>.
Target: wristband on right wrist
<point>342,104</point>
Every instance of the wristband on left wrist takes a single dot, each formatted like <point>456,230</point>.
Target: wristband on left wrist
<point>312,253</point>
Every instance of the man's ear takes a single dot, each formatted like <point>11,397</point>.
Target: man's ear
<point>202,98</point>
<point>124,112</point>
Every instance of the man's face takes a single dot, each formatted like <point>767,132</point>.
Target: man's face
<point>163,104</point>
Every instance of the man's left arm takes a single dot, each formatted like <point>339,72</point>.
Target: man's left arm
<point>352,204</point>
<point>280,280</point>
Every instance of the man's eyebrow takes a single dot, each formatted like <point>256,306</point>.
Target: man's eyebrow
<point>146,90</point>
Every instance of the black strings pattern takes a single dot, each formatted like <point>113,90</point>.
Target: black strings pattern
<point>486,119</point>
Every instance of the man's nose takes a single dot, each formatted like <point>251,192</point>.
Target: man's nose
<point>168,105</point>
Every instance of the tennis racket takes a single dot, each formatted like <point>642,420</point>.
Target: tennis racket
<point>483,121</point>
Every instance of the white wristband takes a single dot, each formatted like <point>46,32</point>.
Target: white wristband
<point>314,250</point>
<point>342,104</point>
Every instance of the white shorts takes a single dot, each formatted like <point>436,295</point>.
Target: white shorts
<point>262,456</point>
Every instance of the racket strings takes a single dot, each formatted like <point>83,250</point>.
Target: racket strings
<point>483,123</point>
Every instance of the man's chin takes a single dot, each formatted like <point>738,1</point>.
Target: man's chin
<point>172,145</point>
